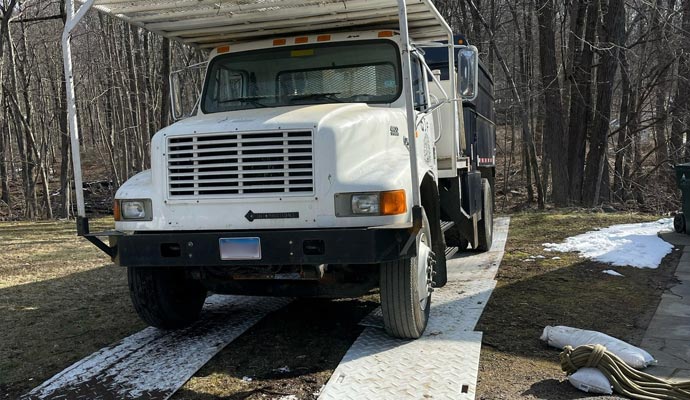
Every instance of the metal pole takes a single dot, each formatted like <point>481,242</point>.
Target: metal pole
<point>453,92</point>
<point>409,99</point>
<point>72,20</point>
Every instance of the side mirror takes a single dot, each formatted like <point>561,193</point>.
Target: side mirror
<point>468,72</point>
<point>185,90</point>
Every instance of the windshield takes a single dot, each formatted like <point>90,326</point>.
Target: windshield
<point>325,73</point>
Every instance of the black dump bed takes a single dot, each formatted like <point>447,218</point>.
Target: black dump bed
<point>479,115</point>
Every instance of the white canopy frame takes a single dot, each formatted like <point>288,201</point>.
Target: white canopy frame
<point>210,23</point>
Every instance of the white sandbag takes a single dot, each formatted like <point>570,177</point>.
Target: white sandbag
<point>561,336</point>
<point>590,380</point>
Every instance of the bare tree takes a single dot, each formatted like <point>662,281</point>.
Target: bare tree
<point>613,31</point>
<point>555,144</point>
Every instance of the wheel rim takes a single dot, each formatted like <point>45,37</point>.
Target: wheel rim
<point>424,268</point>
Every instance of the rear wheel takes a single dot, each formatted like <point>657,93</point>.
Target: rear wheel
<point>486,225</point>
<point>165,297</point>
<point>679,223</point>
<point>406,289</point>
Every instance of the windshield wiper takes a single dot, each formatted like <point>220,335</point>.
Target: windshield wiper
<point>254,100</point>
<point>317,96</point>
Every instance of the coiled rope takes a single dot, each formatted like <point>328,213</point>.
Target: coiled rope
<point>624,379</point>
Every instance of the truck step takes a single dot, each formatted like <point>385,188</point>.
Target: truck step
<point>445,225</point>
<point>450,252</point>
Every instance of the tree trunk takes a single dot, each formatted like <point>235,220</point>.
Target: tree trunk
<point>554,144</point>
<point>681,102</point>
<point>5,142</point>
<point>65,149</point>
<point>623,135</point>
<point>4,145</point>
<point>581,102</point>
<point>613,31</point>
<point>165,83</point>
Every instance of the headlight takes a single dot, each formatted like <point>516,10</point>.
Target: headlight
<point>133,210</point>
<point>365,203</point>
<point>373,203</point>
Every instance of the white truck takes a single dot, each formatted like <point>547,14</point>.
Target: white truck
<point>325,158</point>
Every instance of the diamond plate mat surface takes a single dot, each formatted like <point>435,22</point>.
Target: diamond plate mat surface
<point>382,368</point>
<point>444,362</point>
<point>470,266</point>
<point>459,302</point>
<point>153,364</point>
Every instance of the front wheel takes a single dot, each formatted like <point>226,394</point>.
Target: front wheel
<point>406,289</point>
<point>165,297</point>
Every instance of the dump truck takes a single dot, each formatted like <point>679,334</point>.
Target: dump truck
<point>336,147</point>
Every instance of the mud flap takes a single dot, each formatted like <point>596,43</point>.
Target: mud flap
<point>461,202</point>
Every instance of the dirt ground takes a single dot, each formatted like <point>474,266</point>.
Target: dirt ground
<point>61,300</point>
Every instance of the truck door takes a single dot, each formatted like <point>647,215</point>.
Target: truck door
<point>421,103</point>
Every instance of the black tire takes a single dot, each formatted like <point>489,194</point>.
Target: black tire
<point>486,224</point>
<point>165,297</point>
<point>679,223</point>
<point>405,312</point>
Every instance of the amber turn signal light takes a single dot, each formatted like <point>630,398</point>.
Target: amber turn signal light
<point>393,202</point>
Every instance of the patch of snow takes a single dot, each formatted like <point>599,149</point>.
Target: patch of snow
<point>283,370</point>
<point>540,256</point>
<point>528,260</point>
<point>612,272</point>
<point>288,397</point>
<point>247,379</point>
<point>635,245</point>
<point>555,258</point>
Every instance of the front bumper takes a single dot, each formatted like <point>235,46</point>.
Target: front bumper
<point>278,247</point>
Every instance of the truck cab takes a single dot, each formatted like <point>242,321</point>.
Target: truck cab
<point>317,164</point>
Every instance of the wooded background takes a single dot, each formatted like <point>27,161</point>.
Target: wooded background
<point>592,101</point>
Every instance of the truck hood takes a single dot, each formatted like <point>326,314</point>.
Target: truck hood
<point>355,148</point>
<point>295,117</point>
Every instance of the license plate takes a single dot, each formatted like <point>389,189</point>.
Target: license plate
<point>247,248</point>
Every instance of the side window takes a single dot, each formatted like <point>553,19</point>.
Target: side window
<point>418,85</point>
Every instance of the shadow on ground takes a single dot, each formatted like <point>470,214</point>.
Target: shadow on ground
<point>48,325</point>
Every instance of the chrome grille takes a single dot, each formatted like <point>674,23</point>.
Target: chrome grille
<point>240,163</point>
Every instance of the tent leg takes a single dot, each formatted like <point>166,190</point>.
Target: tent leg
<point>409,100</point>
<point>71,22</point>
